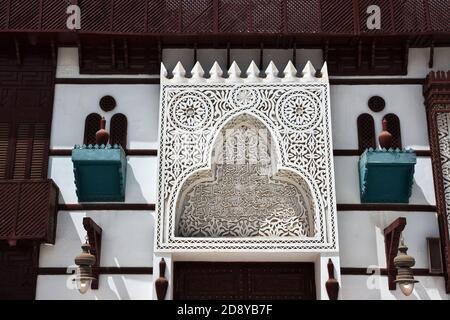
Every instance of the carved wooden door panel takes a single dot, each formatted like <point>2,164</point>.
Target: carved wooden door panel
<point>18,271</point>
<point>247,281</point>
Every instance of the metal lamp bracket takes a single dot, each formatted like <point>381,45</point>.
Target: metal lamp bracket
<point>94,234</point>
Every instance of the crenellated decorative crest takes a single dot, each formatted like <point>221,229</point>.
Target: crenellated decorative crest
<point>251,75</point>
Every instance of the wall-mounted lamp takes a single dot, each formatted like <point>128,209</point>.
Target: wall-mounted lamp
<point>89,260</point>
<point>84,261</point>
<point>398,262</point>
<point>405,277</point>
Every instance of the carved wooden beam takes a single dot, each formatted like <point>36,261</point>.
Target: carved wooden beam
<point>228,56</point>
<point>54,52</point>
<point>18,52</point>
<point>294,54</point>
<point>125,53</point>
<point>391,241</point>
<point>431,61</point>
<point>326,50</point>
<point>94,233</point>
<point>406,55</point>
<point>261,56</point>
<point>195,53</point>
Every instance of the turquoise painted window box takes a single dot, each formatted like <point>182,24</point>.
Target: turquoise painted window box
<point>386,176</point>
<point>100,173</point>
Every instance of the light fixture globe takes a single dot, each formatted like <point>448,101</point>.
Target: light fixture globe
<point>85,261</point>
<point>405,277</point>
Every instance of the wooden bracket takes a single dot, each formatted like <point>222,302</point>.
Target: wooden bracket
<point>94,234</point>
<point>18,52</point>
<point>261,57</point>
<point>195,53</point>
<point>228,56</point>
<point>391,242</point>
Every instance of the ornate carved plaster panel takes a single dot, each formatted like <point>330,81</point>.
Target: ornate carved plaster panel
<point>207,174</point>
<point>443,129</point>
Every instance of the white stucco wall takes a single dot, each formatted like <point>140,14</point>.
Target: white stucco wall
<point>73,103</point>
<point>128,235</point>
<point>406,101</point>
<point>361,236</point>
<point>111,287</point>
<point>127,238</point>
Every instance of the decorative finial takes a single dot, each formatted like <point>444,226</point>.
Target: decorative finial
<point>102,136</point>
<point>385,137</point>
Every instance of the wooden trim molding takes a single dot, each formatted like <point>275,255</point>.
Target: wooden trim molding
<point>102,81</point>
<point>46,271</point>
<point>356,152</point>
<point>151,207</point>
<point>352,271</point>
<point>385,207</point>
<point>437,101</point>
<point>107,206</point>
<point>392,235</point>
<point>154,152</point>
<point>377,81</point>
<point>129,152</point>
<point>156,80</point>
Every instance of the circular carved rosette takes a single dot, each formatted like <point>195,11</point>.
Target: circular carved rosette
<point>107,103</point>
<point>190,111</point>
<point>246,97</point>
<point>376,104</point>
<point>299,110</point>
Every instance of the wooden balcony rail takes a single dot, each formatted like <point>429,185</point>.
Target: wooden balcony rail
<point>166,17</point>
<point>28,210</point>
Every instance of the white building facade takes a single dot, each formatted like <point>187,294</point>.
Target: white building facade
<point>243,165</point>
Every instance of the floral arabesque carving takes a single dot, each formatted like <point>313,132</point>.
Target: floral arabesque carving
<point>302,153</point>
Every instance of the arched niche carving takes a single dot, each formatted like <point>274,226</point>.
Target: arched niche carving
<point>245,194</point>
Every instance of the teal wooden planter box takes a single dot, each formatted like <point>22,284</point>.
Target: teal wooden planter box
<point>100,173</point>
<point>386,176</point>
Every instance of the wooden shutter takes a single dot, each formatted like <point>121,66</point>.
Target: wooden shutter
<point>4,146</point>
<point>91,126</point>
<point>366,132</point>
<point>24,139</point>
<point>31,151</point>
<point>40,147</point>
<point>394,129</point>
<point>119,126</point>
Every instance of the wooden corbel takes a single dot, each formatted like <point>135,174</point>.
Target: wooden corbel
<point>94,234</point>
<point>392,235</point>
<point>261,56</point>
<point>18,52</point>
<point>431,60</point>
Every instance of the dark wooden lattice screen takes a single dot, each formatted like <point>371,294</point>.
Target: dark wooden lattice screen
<point>18,271</point>
<point>31,151</point>
<point>394,129</point>
<point>118,130</point>
<point>91,126</point>
<point>366,132</point>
